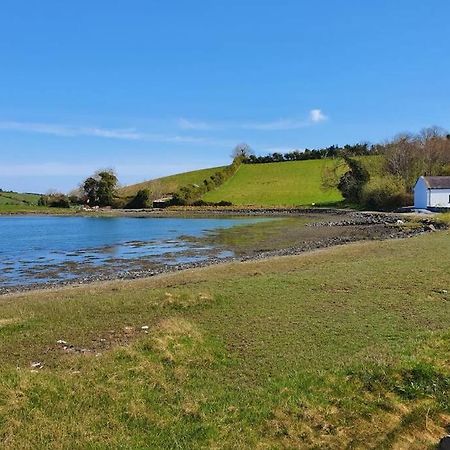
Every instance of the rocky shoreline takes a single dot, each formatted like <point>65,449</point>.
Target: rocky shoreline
<point>369,226</point>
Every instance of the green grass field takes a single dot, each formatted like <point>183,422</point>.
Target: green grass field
<point>16,199</point>
<point>346,347</point>
<point>281,184</point>
<point>170,184</point>
<point>296,183</point>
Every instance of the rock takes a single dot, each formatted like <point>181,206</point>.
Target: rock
<point>444,443</point>
<point>144,327</point>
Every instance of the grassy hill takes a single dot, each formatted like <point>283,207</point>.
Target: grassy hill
<point>170,184</point>
<point>16,199</point>
<point>296,183</point>
<point>286,183</point>
<point>343,348</point>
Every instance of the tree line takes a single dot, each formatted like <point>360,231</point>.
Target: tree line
<point>334,151</point>
<point>403,160</point>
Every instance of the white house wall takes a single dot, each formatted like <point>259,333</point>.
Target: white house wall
<point>440,198</point>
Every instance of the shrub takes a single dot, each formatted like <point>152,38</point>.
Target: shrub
<point>352,182</point>
<point>140,200</point>
<point>54,200</point>
<point>385,193</point>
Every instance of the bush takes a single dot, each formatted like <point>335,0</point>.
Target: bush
<point>140,200</point>
<point>385,193</point>
<point>55,200</point>
<point>352,182</point>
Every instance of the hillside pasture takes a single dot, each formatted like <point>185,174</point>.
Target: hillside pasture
<point>170,184</point>
<point>14,198</point>
<point>295,183</point>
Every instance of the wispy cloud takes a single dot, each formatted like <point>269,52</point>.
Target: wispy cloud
<point>69,130</point>
<point>314,117</point>
<point>186,124</point>
<point>280,124</point>
<point>129,134</point>
<point>71,170</point>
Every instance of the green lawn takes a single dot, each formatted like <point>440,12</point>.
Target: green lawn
<point>171,183</point>
<point>342,348</point>
<point>280,184</point>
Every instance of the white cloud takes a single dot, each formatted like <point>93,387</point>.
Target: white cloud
<point>280,124</point>
<point>316,116</point>
<point>69,130</point>
<point>129,134</point>
<point>186,124</point>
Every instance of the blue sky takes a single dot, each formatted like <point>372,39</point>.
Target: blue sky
<point>158,87</point>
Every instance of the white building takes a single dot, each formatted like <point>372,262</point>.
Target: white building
<point>432,192</point>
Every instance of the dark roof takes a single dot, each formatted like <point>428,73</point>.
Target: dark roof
<point>437,182</point>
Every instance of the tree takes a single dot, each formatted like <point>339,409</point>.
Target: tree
<point>242,150</point>
<point>100,189</point>
<point>352,182</point>
<point>409,156</point>
<point>140,200</point>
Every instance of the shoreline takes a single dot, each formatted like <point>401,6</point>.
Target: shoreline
<point>303,248</point>
<point>205,211</point>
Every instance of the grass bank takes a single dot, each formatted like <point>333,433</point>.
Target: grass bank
<point>170,184</point>
<point>34,209</point>
<point>345,347</point>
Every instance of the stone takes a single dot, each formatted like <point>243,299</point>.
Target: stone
<point>444,443</point>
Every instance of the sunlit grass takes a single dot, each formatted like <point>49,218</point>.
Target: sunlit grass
<point>344,347</point>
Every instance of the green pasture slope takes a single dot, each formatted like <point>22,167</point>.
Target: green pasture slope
<point>170,184</point>
<point>276,184</point>
<point>13,202</point>
<point>14,198</point>
<point>296,183</point>
<point>343,348</point>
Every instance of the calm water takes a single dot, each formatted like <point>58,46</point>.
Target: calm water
<point>41,249</point>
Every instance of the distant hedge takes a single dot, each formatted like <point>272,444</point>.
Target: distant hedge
<point>307,154</point>
<point>189,195</point>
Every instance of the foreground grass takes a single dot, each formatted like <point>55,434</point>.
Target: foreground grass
<point>343,348</point>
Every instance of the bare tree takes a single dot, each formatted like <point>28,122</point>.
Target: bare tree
<point>409,156</point>
<point>242,150</point>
